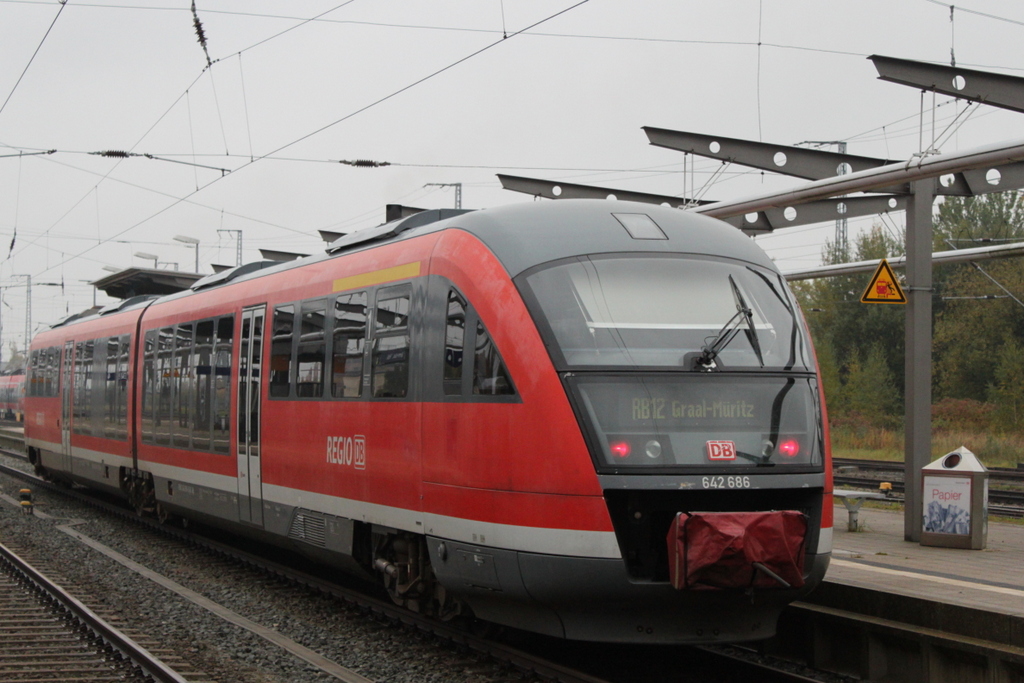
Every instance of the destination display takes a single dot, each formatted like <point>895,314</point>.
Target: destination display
<point>697,420</point>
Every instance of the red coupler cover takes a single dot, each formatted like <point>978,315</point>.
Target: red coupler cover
<point>708,550</point>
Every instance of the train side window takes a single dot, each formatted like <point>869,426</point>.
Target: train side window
<point>33,373</point>
<point>110,389</point>
<point>36,368</point>
<point>148,385</point>
<point>77,389</point>
<point>183,384</point>
<point>312,351</point>
<point>41,377</point>
<point>202,362</point>
<point>53,383</point>
<point>123,352</point>
<point>42,382</point>
<point>490,377</point>
<point>391,342</point>
<point>82,410</point>
<point>454,344</point>
<point>281,351</point>
<point>348,345</point>
<point>163,391</point>
<point>222,384</point>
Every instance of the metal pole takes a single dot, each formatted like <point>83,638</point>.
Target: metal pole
<point>238,250</point>
<point>841,242</point>
<point>28,312</point>
<point>918,363</point>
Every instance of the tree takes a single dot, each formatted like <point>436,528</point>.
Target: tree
<point>848,329</point>
<point>970,332</point>
<point>870,390</point>
<point>1007,391</point>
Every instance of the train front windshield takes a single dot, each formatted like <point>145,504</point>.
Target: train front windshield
<point>664,312</point>
<point>678,362</point>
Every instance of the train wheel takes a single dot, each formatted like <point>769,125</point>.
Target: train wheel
<point>403,562</point>
<point>141,495</point>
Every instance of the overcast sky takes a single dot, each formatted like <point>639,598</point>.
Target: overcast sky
<point>252,142</point>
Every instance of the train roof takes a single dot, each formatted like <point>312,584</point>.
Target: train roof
<point>526,235</point>
<point>522,236</point>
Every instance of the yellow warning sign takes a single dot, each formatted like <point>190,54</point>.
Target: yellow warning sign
<point>884,288</point>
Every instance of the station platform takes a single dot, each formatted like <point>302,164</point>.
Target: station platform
<point>878,558</point>
<point>895,611</point>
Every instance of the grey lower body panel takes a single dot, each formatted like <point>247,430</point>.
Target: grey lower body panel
<point>594,599</point>
<point>86,472</point>
<point>322,537</point>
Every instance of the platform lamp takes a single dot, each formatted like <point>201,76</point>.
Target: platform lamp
<point>185,239</point>
<point>153,257</point>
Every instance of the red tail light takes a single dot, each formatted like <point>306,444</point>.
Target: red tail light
<point>790,448</point>
<point>620,449</point>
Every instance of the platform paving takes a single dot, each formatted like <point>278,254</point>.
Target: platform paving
<point>878,558</point>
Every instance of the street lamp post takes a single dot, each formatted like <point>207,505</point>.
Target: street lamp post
<point>152,257</point>
<point>185,239</point>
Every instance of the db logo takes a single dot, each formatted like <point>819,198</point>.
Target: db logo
<point>346,450</point>
<point>721,450</point>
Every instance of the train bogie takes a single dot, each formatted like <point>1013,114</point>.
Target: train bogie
<point>503,412</point>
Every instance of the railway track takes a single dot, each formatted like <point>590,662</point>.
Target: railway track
<point>1005,502</point>
<point>46,634</point>
<point>1004,474</point>
<point>553,664</point>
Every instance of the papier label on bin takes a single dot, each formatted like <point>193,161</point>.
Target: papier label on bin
<point>947,505</point>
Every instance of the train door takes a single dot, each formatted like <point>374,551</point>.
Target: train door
<point>250,479</point>
<point>66,395</point>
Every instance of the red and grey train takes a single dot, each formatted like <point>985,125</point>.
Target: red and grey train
<point>12,395</point>
<point>597,420</point>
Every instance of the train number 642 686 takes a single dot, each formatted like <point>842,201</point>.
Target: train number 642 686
<point>722,482</point>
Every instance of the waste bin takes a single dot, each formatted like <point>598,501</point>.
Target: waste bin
<point>955,499</point>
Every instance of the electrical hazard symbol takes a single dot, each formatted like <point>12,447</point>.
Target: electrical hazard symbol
<point>884,288</point>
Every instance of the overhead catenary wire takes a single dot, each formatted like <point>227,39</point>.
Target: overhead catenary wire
<point>346,117</point>
<point>184,94</point>
<point>31,59</point>
<point>467,29</point>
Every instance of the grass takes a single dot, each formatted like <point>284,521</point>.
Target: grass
<point>873,443</point>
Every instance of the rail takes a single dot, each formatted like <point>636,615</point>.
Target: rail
<point>128,648</point>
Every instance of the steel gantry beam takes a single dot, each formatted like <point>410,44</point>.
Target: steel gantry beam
<point>985,159</point>
<point>989,88</point>
<point>819,211</point>
<point>551,189</point>
<point>939,258</point>
<point>809,164</point>
<point>753,223</point>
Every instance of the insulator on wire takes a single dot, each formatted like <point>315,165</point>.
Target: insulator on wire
<point>113,154</point>
<point>200,33</point>
<point>365,163</point>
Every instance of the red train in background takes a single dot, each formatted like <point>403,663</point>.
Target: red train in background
<point>12,395</point>
<point>591,419</point>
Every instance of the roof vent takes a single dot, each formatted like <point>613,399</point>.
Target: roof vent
<point>640,226</point>
<point>226,276</point>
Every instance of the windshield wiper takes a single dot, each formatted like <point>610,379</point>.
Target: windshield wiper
<point>741,307</point>
<point>705,362</point>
